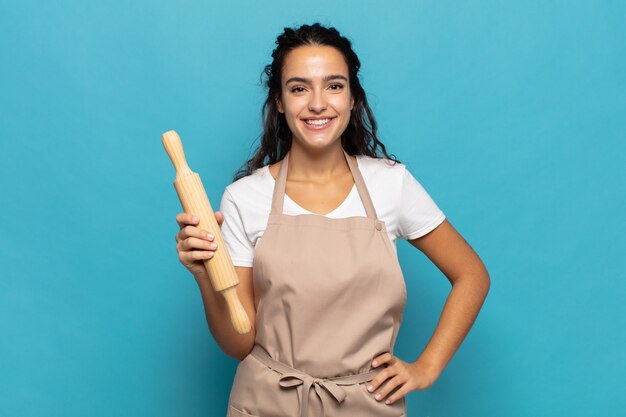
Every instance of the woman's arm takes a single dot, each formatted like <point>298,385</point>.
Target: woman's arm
<point>447,249</point>
<point>218,318</point>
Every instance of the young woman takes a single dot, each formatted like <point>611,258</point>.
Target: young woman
<point>312,235</point>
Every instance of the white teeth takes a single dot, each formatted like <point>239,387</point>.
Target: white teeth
<point>317,122</point>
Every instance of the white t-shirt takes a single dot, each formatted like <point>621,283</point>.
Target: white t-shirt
<point>399,199</point>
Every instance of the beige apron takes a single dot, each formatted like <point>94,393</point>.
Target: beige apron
<point>329,296</point>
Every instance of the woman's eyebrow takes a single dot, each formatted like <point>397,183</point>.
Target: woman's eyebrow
<point>308,80</point>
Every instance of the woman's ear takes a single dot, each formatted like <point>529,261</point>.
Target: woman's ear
<point>279,105</point>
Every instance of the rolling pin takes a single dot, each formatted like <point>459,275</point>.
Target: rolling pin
<point>194,200</point>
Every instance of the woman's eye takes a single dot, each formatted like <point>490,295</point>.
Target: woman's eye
<point>336,86</point>
<point>297,89</point>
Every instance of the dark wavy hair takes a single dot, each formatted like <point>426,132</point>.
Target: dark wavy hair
<point>359,138</point>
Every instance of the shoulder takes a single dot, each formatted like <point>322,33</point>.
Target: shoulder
<point>252,191</point>
<point>384,180</point>
<point>380,169</point>
<point>248,183</point>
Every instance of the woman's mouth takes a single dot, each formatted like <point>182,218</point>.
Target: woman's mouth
<point>318,124</point>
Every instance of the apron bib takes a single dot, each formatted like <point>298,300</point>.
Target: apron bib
<point>329,296</point>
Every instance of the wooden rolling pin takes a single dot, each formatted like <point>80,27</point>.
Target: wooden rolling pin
<point>194,200</point>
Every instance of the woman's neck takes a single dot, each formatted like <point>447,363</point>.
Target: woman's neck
<point>316,167</point>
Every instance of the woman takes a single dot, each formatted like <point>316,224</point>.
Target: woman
<point>312,236</point>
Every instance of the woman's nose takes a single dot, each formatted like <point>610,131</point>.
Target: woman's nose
<point>317,102</point>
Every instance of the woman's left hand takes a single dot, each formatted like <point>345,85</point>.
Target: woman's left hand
<point>409,376</point>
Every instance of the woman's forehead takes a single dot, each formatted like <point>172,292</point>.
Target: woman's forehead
<point>314,62</point>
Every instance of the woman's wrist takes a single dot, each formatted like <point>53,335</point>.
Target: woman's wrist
<point>432,369</point>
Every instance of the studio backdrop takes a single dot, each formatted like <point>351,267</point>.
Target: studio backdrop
<point>510,114</point>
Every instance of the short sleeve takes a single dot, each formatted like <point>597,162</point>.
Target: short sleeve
<point>418,213</point>
<point>239,246</point>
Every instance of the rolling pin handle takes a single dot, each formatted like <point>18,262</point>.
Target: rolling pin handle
<point>238,315</point>
<point>174,148</point>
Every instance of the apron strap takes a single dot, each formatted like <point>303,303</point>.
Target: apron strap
<point>278,196</point>
<point>360,186</point>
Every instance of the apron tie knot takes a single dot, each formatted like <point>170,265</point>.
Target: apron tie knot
<point>292,380</point>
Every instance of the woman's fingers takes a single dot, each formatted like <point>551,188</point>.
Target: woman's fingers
<point>195,255</point>
<point>192,231</point>
<point>186,224</point>
<point>193,244</point>
<point>196,243</point>
<point>195,249</point>
<point>184,219</point>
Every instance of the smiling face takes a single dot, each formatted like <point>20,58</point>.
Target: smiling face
<point>315,95</point>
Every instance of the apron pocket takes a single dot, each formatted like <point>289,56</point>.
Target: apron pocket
<point>256,392</point>
<point>233,412</point>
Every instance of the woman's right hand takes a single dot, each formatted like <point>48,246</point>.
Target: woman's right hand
<point>194,245</point>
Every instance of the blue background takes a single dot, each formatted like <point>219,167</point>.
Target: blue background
<point>511,114</point>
